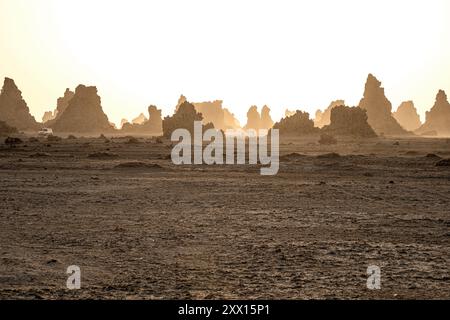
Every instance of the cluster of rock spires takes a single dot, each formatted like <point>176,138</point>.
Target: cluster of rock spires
<point>81,112</point>
<point>142,125</point>
<point>438,118</point>
<point>379,109</point>
<point>183,118</point>
<point>257,121</point>
<point>298,124</point>
<point>14,110</point>
<point>323,118</point>
<point>214,112</point>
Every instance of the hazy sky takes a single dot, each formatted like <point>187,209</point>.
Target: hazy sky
<point>286,54</point>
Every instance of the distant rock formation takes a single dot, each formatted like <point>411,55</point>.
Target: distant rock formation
<point>289,113</point>
<point>438,118</point>
<point>61,106</point>
<point>83,114</point>
<point>6,129</point>
<point>407,116</point>
<point>323,119</point>
<point>140,119</point>
<point>266,120</point>
<point>13,108</point>
<point>48,116</point>
<point>230,120</point>
<point>213,112</point>
<point>346,121</point>
<point>297,125</point>
<point>152,125</point>
<point>253,119</point>
<point>123,122</point>
<point>184,118</point>
<point>379,109</point>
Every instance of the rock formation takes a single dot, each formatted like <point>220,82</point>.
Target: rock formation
<point>140,119</point>
<point>379,109</point>
<point>61,106</point>
<point>346,121</point>
<point>213,112</point>
<point>184,118</point>
<point>266,120</point>
<point>152,125</point>
<point>84,114</point>
<point>324,118</point>
<point>48,116</point>
<point>438,118</point>
<point>297,125</point>
<point>407,116</point>
<point>123,122</point>
<point>230,120</point>
<point>289,113</point>
<point>13,108</point>
<point>253,119</point>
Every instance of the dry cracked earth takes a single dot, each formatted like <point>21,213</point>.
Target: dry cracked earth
<point>141,228</point>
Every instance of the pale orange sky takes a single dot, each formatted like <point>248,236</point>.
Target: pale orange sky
<point>286,54</point>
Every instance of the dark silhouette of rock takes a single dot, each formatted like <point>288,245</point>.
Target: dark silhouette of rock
<point>438,118</point>
<point>184,118</point>
<point>13,108</point>
<point>407,116</point>
<point>253,119</point>
<point>152,125</point>
<point>140,119</point>
<point>297,125</point>
<point>61,106</point>
<point>346,121</point>
<point>379,109</point>
<point>324,118</point>
<point>266,120</point>
<point>5,129</point>
<point>84,114</point>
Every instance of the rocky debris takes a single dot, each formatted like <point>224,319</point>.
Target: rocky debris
<point>5,129</point>
<point>48,116</point>
<point>266,120</point>
<point>12,142</point>
<point>84,114</point>
<point>407,116</point>
<point>184,118</point>
<point>140,119</point>
<point>152,125</point>
<point>139,165</point>
<point>54,138</point>
<point>443,163</point>
<point>331,155</point>
<point>324,118</point>
<point>326,139</point>
<point>13,108</point>
<point>40,155</point>
<point>379,109</point>
<point>103,155</point>
<point>438,118</point>
<point>292,157</point>
<point>298,124</point>
<point>346,121</point>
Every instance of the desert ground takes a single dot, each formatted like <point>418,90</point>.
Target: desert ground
<point>141,228</point>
